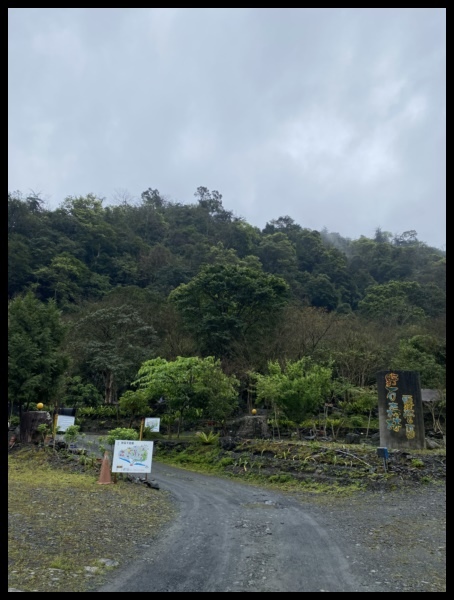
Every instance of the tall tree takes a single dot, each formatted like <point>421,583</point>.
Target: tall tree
<point>305,332</point>
<point>85,219</point>
<point>359,348</point>
<point>296,389</point>
<point>69,281</point>
<point>112,342</point>
<point>393,302</point>
<point>190,383</point>
<point>278,255</point>
<point>36,363</point>
<point>227,303</point>
<point>425,354</point>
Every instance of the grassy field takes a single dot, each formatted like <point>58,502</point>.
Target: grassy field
<point>65,531</point>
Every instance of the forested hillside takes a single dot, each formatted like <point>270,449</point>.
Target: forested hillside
<point>96,290</point>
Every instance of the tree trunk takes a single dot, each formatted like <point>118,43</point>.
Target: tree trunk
<point>108,378</point>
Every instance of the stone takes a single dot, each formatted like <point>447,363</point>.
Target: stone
<point>109,562</point>
<point>432,444</point>
<point>250,427</point>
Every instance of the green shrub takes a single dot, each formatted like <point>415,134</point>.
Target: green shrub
<point>426,480</point>
<point>121,433</point>
<point>98,412</point>
<point>149,434</point>
<point>207,438</point>
<point>356,421</point>
<point>44,429</point>
<point>71,435</point>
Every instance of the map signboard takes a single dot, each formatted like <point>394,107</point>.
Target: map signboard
<point>132,456</point>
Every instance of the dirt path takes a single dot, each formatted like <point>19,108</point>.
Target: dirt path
<point>232,537</point>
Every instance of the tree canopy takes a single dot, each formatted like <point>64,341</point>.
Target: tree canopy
<point>35,361</point>
<point>207,283</point>
<point>189,383</point>
<point>225,303</point>
<point>296,389</point>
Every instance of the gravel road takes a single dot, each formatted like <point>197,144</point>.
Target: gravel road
<point>233,537</point>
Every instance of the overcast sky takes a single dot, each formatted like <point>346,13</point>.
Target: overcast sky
<point>335,117</point>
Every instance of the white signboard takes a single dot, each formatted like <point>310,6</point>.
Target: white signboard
<point>132,456</point>
<point>153,424</point>
<point>63,422</point>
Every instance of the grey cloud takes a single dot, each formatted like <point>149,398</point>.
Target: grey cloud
<point>335,117</point>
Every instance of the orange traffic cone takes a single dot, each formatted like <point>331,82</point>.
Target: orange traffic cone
<point>105,476</point>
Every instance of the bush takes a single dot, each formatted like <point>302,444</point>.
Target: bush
<point>14,421</point>
<point>149,434</point>
<point>356,421</point>
<point>71,435</point>
<point>207,438</point>
<point>44,430</point>
<point>121,433</point>
<point>98,412</point>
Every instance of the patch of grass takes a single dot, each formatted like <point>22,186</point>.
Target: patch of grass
<point>426,480</point>
<point>61,562</point>
<point>77,521</point>
<point>280,478</point>
<point>207,438</point>
<point>331,466</point>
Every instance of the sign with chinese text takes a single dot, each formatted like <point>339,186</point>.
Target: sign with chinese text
<point>132,456</point>
<point>400,410</point>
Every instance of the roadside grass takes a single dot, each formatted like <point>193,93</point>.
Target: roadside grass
<point>65,531</point>
<point>314,468</point>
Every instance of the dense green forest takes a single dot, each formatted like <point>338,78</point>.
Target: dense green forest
<point>97,291</point>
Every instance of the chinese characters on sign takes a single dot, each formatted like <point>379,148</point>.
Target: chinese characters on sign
<point>409,415</point>
<point>132,457</point>
<point>394,421</point>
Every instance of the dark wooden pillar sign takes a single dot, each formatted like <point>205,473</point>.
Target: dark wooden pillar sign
<point>400,410</point>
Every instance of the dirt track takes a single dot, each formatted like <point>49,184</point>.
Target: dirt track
<point>233,537</point>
